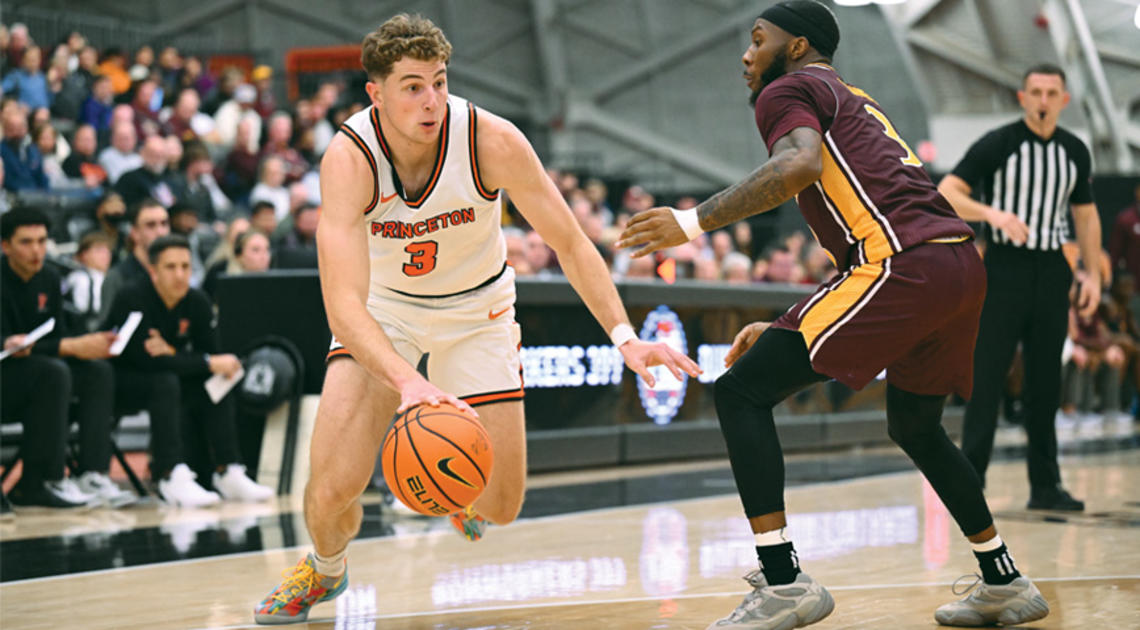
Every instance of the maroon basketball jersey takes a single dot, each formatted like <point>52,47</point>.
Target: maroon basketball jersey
<point>873,199</point>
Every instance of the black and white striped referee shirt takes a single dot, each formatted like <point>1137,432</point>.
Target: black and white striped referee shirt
<point>1013,169</point>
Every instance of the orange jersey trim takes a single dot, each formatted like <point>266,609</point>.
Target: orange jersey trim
<point>493,397</point>
<point>472,141</point>
<point>359,142</point>
<point>444,141</point>
<point>337,352</point>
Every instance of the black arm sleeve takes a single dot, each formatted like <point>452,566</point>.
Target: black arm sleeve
<point>981,160</point>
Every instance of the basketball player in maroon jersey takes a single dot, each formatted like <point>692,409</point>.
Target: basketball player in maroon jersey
<point>907,300</point>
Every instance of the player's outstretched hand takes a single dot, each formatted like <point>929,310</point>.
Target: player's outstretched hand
<point>642,355</point>
<point>744,340</point>
<point>655,229</point>
<point>421,391</point>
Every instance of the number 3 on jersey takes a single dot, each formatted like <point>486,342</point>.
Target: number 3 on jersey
<point>423,258</point>
<point>889,130</point>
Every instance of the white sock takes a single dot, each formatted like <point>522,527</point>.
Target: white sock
<point>774,537</point>
<point>989,545</point>
<point>331,566</point>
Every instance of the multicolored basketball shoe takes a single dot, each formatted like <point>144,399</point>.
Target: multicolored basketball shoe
<point>302,588</point>
<point>470,524</point>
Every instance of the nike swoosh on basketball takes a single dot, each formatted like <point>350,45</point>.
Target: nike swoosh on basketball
<point>493,315</point>
<point>390,197</point>
<point>444,466</point>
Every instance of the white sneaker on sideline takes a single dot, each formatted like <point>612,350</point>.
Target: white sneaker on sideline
<point>107,491</point>
<point>182,489</point>
<point>234,485</point>
<point>71,491</point>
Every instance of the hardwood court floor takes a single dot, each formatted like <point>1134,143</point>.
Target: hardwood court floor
<point>883,545</point>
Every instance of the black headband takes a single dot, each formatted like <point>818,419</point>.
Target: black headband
<point>804,18</point>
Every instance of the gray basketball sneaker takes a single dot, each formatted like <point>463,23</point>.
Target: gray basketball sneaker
<point>1009,604</point>
<point>781,607</point>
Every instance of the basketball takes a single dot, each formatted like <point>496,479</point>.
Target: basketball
<point>437,460</point>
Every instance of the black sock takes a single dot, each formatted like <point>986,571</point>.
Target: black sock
<point>997,566</point>
<point>778,563</point>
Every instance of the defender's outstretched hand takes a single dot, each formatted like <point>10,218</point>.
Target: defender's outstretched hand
<point>642,355</point>
<point>421,391</point>
<point>744,340</point>
<point>655,229</point>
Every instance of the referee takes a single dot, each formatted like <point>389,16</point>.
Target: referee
<point>1027,174</point>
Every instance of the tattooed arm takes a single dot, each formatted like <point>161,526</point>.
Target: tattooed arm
<point>796,163</point>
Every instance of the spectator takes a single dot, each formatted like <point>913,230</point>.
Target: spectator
<point>85,284</point>
<point>81,165</point>
<point>224,259</point>
<point>18,43</point>
<point>271,187</point>
<point>23,163</point>
<point>184,221</point>
<point>44,138</point>
<point>783,267</point>
<point>195,186</point>
<point>263,217</point>
<point>742,238</point>
<point>169,69</point>
<point>88,65</point>
<point>239,172</point>
<point>736,268</point>
<point>1097,365</point>
<point>27,82</point>
<point>153,179</point>
<point>706,269</point>
<point>70,88</point>
<point>298,248</point>
<point>120,157</point>
<point>96,110</point>
<point>110,217</point>
<point>1124,244</point>
<point>517,246</point>
<point>186,122</point>
<point>40,381</point>
<point>251,253</point>
<point>262,78</point>
<point>144,62</point>
<point>224,251</point>
<point>163,369</point>
<point>149,220</point>
<point>114,67</point>
<point>146,117</point>
<point>234,111</point>
<point>230,79</point>
<point>721,245</point>
<point>193,76</point>
<point>278,136</point>
<point>541,257</point>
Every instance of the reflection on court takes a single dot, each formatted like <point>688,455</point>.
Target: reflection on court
<point>883,545</point>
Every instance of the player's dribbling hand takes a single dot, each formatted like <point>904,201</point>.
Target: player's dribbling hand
<point>655,229</point>
<point>421,391</point>
<point>744,340</point>
<point>642,355</point>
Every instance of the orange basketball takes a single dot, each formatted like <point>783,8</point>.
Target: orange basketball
<point>437,460</point>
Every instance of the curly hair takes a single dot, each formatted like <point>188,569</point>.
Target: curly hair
<point>401,36</point>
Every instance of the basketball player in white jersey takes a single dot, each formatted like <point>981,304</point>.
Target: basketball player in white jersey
<point>413,262</point>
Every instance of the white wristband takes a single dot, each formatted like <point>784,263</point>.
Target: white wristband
<point>689,221</point>
<point>621,334</point>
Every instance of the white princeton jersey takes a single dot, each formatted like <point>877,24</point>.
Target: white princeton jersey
<point>446,241</point>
